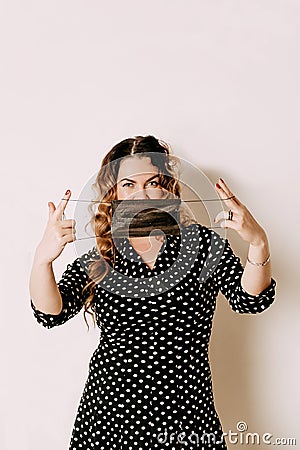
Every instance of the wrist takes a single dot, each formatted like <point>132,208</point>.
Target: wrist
<point>260,241</point>
<point>259,252</point>
<point>259,264</point>
<point>40,260</point>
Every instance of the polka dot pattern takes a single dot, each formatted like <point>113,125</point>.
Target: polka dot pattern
<point>149,383</point>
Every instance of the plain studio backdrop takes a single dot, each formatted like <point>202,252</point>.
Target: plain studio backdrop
<point>219,81</point>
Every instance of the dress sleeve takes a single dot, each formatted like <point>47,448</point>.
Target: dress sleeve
<point>70,286</point>
<point>227,275</point>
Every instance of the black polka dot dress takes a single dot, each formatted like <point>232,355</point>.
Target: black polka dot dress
<point>149,382</point>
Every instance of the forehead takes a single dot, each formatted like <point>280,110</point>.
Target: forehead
<point>133,167</point>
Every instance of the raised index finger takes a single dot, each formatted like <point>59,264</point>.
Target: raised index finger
<point>62,205</point>
<point>226,194</point>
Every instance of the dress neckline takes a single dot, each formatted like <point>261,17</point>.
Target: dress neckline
<point>128,259</point>
<point>140,259</point>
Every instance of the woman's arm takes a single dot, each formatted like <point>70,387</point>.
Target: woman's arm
<point>257,272</point>
<point>256,278</point>
<point>44,291</point>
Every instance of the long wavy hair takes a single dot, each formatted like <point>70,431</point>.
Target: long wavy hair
<point>105,186</point>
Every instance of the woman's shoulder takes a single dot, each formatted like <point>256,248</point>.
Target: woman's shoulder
<point>197,228</point>
<point>203,233</point>
<point>83,261</point>
<point>90,255</point>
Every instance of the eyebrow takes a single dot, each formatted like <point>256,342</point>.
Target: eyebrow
<point>132,181</point>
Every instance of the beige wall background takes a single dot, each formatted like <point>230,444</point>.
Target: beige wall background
<point>219,81</point>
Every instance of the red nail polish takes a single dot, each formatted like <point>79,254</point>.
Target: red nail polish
<point>67,192</point>
<point>222,180</point>
<point>218,186</point>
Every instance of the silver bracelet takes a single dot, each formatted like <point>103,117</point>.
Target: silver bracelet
<point>259,264</point>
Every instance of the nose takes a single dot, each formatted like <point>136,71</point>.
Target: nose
<point>141,194</point>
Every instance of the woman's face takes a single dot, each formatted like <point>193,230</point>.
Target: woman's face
<point>138,179</point>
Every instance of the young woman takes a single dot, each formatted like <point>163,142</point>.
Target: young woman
<point>153,298</point>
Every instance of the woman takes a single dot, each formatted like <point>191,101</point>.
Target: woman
<point>153,298</point>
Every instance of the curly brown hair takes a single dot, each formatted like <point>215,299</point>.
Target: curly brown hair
<point>106,189</point>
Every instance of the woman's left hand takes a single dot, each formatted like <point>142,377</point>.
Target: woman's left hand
<point>242,220</point>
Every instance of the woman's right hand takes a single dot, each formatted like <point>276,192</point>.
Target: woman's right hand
<point>58,232</point>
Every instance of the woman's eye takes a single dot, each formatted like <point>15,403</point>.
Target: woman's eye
<point>127,184</point>
<point>153,183</point>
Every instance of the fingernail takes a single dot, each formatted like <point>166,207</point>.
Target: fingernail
<point>218,186</point>
<point>221,180</point>
<point>67,192</point>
